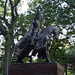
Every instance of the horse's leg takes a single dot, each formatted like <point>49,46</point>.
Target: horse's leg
<point>16,54</point>
<point>30,58</point>
<point>47,55</point>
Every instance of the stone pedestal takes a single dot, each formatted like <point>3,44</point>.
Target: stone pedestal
<point>36,69</point>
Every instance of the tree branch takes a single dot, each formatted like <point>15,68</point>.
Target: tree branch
<point>16,3</point>
<point>11,3</point>
<point>1,18</point>
<point>0,33</point>
<point>5,9</point>
<point>16,12</point>
<point>5,20</point>
<point>2,29</point>
<point>12,10</point>
<point>68,3</point>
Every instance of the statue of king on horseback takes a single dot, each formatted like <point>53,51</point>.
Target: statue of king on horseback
<point>36,40</point>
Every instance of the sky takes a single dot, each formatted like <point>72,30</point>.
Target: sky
<point>24,6</point>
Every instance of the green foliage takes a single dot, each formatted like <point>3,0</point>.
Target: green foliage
<point>1,63</point>
<point>26,60</point>
<point>39,60</point>
<point>55,14</point>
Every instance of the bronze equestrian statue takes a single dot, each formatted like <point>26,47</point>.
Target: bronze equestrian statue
<point>43,42</point>
<point>36,40</point>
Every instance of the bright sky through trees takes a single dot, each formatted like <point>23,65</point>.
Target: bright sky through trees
<point>24,6</point>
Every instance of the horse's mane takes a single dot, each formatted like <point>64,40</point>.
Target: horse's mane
<point>50,29</point>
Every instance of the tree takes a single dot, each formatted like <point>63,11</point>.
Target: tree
<point>8,18</point>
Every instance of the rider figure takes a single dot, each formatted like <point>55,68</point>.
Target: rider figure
<point>36,27</point>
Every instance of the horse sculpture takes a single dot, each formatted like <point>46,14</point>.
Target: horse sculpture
<point>41,46</point>
<point>36,40</point>
<point>43,42</point>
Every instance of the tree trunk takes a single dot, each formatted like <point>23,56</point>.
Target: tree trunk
<point>7,54</point>
<point>12,47</point>
<point>65,69</point>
